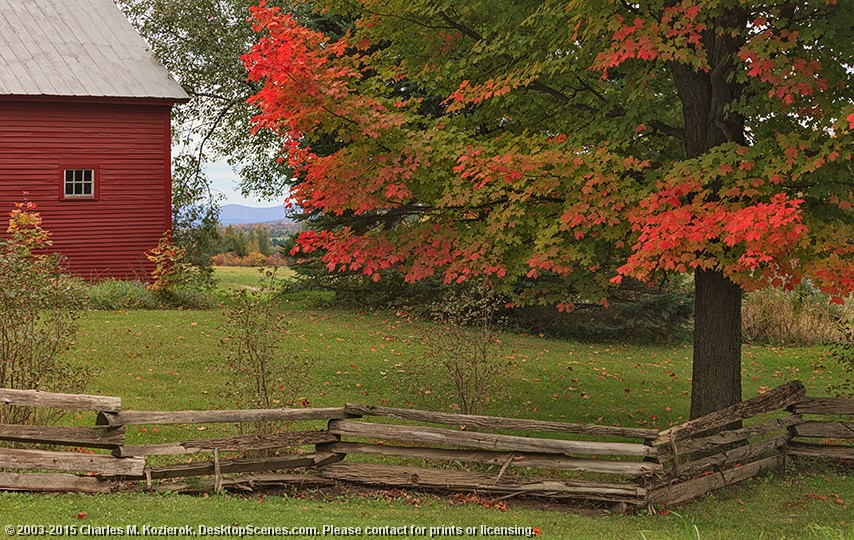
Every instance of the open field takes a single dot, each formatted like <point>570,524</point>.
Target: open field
<point>171,360</point>
<point>240,277</point>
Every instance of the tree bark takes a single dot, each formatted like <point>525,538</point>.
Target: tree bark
<point>705,96</point>
<point>716,376</point>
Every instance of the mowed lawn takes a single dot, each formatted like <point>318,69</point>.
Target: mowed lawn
<point>173,360</point>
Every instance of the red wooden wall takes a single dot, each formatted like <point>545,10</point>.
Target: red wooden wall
<point>128,145</point>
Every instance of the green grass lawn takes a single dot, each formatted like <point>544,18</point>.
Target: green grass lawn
<point>241,277</point>
<point>172,360</point>
<point>759,509</point>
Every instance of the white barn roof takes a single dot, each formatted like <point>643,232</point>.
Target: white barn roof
<point>78,48</point>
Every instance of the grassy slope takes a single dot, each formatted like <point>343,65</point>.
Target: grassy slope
<point>173,360</point>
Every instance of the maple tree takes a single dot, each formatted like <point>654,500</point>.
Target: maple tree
<point>581,140</point>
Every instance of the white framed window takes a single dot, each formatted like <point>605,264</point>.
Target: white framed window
<point>78,183</point>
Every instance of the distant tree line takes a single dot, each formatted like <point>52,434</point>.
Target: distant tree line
<point>251,245</point>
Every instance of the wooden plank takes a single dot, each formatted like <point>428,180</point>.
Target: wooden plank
<point>730,457</point>
<point>820,450</point>
<point>44,460</point>
<point>52,482</point>
<point>421,478</point>
<point>247,483</point>
<point>825,430</point>
<point>64,436</point>
<point>128,418</point>
<point>713,442</point>
<point>242,443</point>
<point>683,491</point>
<point>496,422</point>
<point>841,406</point>
<point>541,461</point>
<point>322,458</point>
<point>207,468</point>
<point>165,449</point>
<point>77,402</point>
<point>485,441</point>
<point>778,398</point>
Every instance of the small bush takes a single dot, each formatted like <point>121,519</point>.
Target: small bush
<point>803,316</point>
<point>842,353</point>
<point>264,374</point>
<point>169,264</point>
<point>173,270</point>
<point>461,369</point>
<point>40,305</point>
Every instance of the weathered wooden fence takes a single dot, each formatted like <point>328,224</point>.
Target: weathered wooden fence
<point>697,463</point>
<point>473,441</point>
<point>823,433</point>
<point>393,448</point>
<point>96,467</point>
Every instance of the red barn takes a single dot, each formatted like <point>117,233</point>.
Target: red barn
<point>85,131</point>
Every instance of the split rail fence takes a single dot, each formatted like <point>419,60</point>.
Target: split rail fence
<point>392,448</point>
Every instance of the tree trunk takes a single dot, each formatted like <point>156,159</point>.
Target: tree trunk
<point>716,377</point>
<point>706,96</point>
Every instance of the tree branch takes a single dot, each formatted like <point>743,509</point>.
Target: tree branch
<point>668,129</point>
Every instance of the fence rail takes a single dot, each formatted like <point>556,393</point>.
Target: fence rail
<point>630,466</point>
<point>820,436</point>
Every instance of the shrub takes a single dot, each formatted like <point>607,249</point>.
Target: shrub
<point>842,353</point>
<point>461,368</point>
<point>803,316</point>
<point>40,306</point>
<point>637,313</point>
<point>264,375</point>
<point>173,270</point>
<point>168,262</point>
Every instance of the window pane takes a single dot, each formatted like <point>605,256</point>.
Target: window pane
<point>79,182</point>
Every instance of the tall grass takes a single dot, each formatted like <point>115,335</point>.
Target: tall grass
<point>115,294</point>
<point>803,316</point>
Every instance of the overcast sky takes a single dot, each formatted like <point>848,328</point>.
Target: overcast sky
<point>225,182</point>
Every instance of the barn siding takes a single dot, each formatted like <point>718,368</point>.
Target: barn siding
<point>129,144</point>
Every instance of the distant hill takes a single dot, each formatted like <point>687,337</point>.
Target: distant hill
<point>236,214</point>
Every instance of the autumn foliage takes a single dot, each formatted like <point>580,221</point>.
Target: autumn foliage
<point>734,209</point>
<point>571,144</point>
<point>168,260</point>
